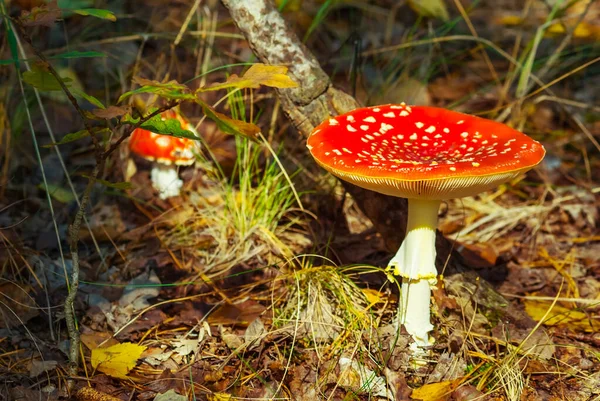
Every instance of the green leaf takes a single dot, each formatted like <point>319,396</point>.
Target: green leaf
<point>43,80</point>
<point>171,90</point>
<point>74,136</point>
<point>159,126</point>
<point>58,193</point>
<point>96,12</point>
<point>12,44</point>
<point>93,100</point>
<point>76,54</point>
<point>116,185</point>
<point>229,125</point>
<point>67,55</point>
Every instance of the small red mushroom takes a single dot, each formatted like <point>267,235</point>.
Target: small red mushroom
<point>166,152</point>
<point>425,154</point>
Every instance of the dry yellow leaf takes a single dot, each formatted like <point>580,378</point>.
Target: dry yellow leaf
<point>435,391</point>
<point>259,74</point>
<point>575,319</point>
<point>117,360</point>
<point>219,397</point>
<point>373,296</point>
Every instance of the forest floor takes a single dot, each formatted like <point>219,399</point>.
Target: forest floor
<point>264,279</point>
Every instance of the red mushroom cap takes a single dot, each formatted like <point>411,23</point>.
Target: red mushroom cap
<point>422,152</point>
<point>164,149</point>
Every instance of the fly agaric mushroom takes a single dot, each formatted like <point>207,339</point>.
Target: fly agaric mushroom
<point>166,152</point>
<point>425,154</point>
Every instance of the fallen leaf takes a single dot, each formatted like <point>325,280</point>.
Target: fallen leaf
<point>39,367</point>
<point>185,347</point>
<point>360,379</point>
<point>219,397</point>
<point>117,360</point>
<point>435,391</point>
<point>93,339</point>
<point>254,333</point>
<point>170,395</point>
<point>16,305</point>
<point>572,318</point>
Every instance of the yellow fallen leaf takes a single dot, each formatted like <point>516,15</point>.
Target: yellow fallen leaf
<point>219,397</point>
<point>435,391</point>
<point>575,319</point>
<point>510,20</point>
<point>116,360</point>
<point>373,296</point>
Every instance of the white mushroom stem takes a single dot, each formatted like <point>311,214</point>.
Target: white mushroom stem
<point>165,180</point>
<point>415,263</point>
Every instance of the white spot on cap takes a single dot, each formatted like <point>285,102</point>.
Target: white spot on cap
<point>475,164</point>
<point>437,136</point>
<point>364,127</point>
<point>337,152</point>
<point>464,134</point>
<point>425,138</point>
<point>419,124</point>
<point>389,115</point>
<point>446,130</point>
<point>452,168</point>
<point>350,118</point>
<point>434,163</point>
<point>413,137</point>
<point>364,140</point>
<point>385,128</point>
<point>346,150</point>
<point>461,121</point>
<point>309,147</point>
<point>369,119</point>
<point>370,137</point>
<point>350,128</point>
<point>163,141</point>
<point>333,121</point>
<point>376,109</point>
<point>431,129</point>
<point>404,113</point>
<point>327,153</point>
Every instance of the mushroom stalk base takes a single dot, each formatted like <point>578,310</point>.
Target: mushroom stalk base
<point>415,263</point>
<point>165,180</point>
